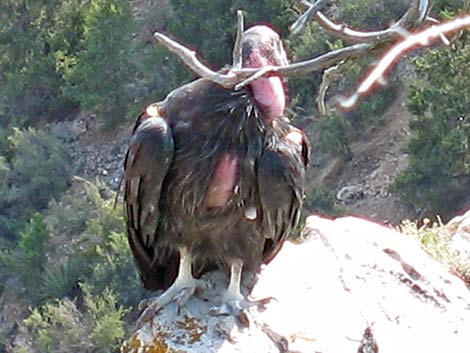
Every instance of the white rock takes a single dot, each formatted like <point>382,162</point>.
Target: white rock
<point>351,281</point>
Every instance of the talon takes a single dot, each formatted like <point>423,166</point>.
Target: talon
<point>145,317</point>
<point>235,307</point>
<point>179,292</point>
<point>142,304</point>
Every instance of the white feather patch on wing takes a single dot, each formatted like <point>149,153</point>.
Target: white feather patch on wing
<point>152,110</point>
<point>251,213</point>
<point>295,137</point>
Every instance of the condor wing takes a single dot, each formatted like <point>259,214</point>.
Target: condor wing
<point>281,178</point>
<point>148,159</point>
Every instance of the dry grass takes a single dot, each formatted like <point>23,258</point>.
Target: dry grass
<point>436,239</point>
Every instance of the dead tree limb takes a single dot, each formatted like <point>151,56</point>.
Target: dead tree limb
<point>406,31</point>
<point>419,39</point>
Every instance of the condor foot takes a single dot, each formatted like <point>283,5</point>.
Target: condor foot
<point>235,304</point>
<point>180,292</point>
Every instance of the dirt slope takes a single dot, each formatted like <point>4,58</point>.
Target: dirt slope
<point>362,185</point>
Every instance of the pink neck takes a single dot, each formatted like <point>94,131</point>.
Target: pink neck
<point>269,94</point>
<point>267,91</point>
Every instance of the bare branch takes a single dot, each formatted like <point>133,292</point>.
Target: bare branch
<point>420,39</point>
<point>189,58</point>
<point>328,76</point>
<point>347,33</point>
<point>304,67</point>
<point>415,15</point>
<point>242,77</point>
<point>302,21</point>
<point>325,60</point>
<point>259,73</point>
<point>237,48</point>
<point>238,76</point>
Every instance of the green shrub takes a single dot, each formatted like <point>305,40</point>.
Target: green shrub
<point>29,39</point>
<point>36,168</point>
<point>69,216</point>
<point>111,262</point>
<point>31,255</point>
<point>321,201</point>
<point>103,66</point>
<point>40,167</point>
<point>160,72</point>
<point>59,55</point>
<point>106,316</point>
<point>371,14</point>
<point>307,45</point>
<point>338,129</point>
<point>449,8</point>
<point>61,327</point>
<point>60,280</point>
<point>101,256</point>
<point>335,136</point>
<point>437,179</point>
<point>214,36</point>
<point>113,267</point>
<point>3,145</point>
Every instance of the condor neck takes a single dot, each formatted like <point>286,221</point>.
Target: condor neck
<point>269,95</point>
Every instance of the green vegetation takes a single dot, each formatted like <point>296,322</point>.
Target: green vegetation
<point>31,158</point>
<point>80,293</point>
<point>438,177</point>
<point>338,129</point>
<point>379,14</point>
<point>57,56</point>
<point>103,67</point>
<point>435,238</point>
<point>29,40</point>
<point>101,260</point>
<point>62,327</point>
<point>322,202</point>
<point>31,258</point>
<point>219,25</point>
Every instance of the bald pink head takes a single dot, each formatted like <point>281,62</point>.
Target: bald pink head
<point>262,47</point>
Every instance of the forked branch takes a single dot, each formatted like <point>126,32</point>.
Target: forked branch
<point>237,77</point>
<point>415,16</point>
<point>189,58</point>
<point>322,62</point>
<point>419,39</point>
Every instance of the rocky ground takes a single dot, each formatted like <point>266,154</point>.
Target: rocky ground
<point>97,154</point>
<point>363,183</point>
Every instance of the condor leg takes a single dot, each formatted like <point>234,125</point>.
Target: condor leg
<point>233,301</point>
<point>180,291</point>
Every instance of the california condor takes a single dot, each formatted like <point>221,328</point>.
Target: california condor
<point>214,176</point>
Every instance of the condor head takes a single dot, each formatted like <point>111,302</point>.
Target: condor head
<point>261,46</point>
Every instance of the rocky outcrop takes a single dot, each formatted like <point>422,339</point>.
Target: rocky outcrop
<point>97,156</point>
<point>352,286</point>
<point>459,231</point>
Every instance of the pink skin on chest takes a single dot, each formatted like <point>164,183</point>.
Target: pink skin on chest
<point>269,95</point>
<point>223,182</point>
